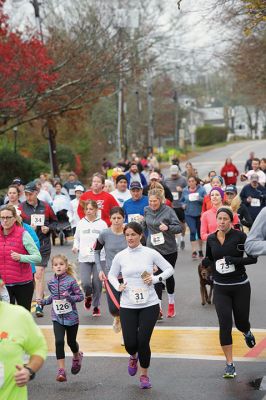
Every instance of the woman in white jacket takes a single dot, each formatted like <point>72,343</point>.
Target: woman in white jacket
<point>87,232</point>
<point>139,303</point>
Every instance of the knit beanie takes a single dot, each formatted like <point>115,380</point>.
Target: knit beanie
<point>120,177</point>
<point>218,190</point>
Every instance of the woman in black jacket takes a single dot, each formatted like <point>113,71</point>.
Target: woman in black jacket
<point>225,254</point>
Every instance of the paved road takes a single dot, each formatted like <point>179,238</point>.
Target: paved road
<point>175,376</point>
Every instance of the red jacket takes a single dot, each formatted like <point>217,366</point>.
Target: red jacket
<point>13,271</point>
<point>230,173</point>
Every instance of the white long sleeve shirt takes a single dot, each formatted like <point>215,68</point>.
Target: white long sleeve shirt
<point>85,238</point>
<point>131,263</point>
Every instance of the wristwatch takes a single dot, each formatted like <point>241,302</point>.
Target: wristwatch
<point>160,279</point>
<point>32,373</point>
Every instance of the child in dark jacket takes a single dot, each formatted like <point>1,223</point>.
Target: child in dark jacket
<point>65,293</point>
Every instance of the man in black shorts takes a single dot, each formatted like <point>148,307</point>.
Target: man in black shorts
<point>41,217</point>
<point>176,184</point>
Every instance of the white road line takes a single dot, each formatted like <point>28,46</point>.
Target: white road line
<point>166,356</point>
<point>160,328</point>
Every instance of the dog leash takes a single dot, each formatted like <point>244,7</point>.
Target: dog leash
<point>111,294</point>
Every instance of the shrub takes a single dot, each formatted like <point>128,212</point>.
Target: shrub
<point>14,164</point>
<point>65,156</point>
<point>209,134</point>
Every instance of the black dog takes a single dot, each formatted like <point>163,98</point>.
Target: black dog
<point>205,278</point>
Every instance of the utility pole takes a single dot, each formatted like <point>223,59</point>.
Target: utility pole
<point>175,97</point>
<point>50,124</point>
<point>150,114</point>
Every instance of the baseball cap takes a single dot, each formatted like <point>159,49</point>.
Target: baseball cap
<point>254,177</point>
<point>30,187</point>
<point>174,169</point>
<point>17,181</point>
<point>80,188</point>
<point>154,175</point>
<point>230,189</point>
<point>135,185</point>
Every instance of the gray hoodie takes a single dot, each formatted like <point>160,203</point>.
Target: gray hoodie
<point>152,221</point>
<point>256,241</point>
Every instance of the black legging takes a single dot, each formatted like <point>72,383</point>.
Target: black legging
<point>22,294</point>
<point>170,282</point>
<point>59,333</point>
<point>230,299</point>
<point>137,327</point>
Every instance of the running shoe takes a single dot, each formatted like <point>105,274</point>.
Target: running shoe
<point>117,325</point>
<point>76,364</point>
<point>39,311</point>
<point>171,311</point>
<point>250,339</point>
<point>201,254</point>
<point>87,302</point>
<point>144,382</point>
<point>182,245</point>
<point>194,255</point>
<point>61,375</point>
<point>230,371</point>
<point>160,316</point>
<point>132,365</point>
<point>96,312</point>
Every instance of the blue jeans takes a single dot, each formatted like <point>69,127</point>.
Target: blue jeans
<point>194,227</point>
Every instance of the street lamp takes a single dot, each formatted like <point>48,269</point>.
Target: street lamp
<point>15,131</point>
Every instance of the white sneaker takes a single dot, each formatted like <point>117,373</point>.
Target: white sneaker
<point>117,325</point>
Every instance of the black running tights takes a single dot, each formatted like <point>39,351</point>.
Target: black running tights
<point>170,282</point>
<point>59,333</point>
<point>22,294</point>
<point>228,300</point>
<point>137,326</point>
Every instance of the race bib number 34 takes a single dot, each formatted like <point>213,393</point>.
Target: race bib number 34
<point>62,306</point>
<point>224,268</point>
<point>37,219</point>
<point>139,295</point>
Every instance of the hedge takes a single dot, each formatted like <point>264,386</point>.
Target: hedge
<point>14,164</point>
<point>209,134</point>
<point>65,156</point>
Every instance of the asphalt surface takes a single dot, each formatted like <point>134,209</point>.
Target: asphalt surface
<point>172,378</point>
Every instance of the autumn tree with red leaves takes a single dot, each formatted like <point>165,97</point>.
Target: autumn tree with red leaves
<point>25,71</point>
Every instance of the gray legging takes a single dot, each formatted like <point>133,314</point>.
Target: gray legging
<point>90,282</point>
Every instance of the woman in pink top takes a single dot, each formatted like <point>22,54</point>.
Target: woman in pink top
<point>208,218</point>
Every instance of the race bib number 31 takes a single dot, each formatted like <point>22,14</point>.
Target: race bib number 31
<point>62,306</point>
<point>139,295</point>
<point>224,268</point>
<point>37,219</point>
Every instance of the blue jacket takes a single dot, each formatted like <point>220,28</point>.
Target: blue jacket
<point>34,236</point>
<point>142,179</point>
<point>193,208</point>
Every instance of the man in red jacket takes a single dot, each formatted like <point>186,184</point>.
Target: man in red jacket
<point>104,200</point>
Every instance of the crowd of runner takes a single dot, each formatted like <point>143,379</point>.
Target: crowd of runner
<point>128,226</point>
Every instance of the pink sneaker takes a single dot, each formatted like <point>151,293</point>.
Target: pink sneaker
<point>144,382</point>
<point>132,365</point>
<point>76,364</point>
<point>61,375</point>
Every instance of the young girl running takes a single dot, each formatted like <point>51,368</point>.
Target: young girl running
<point>65,293</point>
